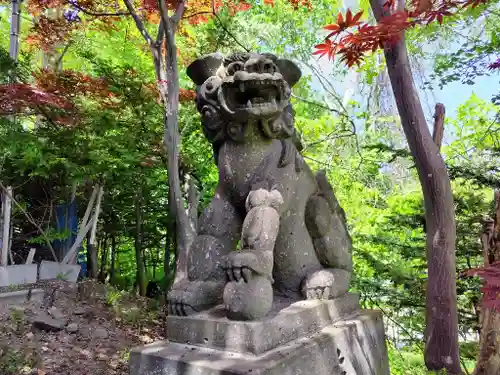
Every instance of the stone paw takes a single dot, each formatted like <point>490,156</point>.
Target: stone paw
<point>326,284</point>
<point>240,266</point>
<point>189,297</point>
<point>250,300</point>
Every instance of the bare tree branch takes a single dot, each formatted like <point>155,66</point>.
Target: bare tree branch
<point>31,220</point>
<point>138,22</point>
<point>179,13</point>
<point>225,28</point>
<point>97,14</point>
<point>160,35</point>
<point>438,131</point>
<point>66,48</point>
<point>198,14</point>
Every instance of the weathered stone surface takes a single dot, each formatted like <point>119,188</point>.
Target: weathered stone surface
<point>55,313</point>
<point>289,320</point>
<point>100,333</point>
<point>46,323</point>
<point>37,295</point>
<point>55,270</point>
<point>291,226</point>
<point>21,296</point>
<point>80,311</point>
<point>18,274</point>
<point>350,347</point>
<point>72,328</point>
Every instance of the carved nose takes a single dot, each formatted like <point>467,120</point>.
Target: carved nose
<point>260,65</point>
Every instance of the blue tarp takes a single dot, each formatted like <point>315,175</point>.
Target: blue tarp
<point>67,219</point>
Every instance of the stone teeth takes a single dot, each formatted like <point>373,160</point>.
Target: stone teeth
<point>273,101</point>
<point>249,104</point>
<point>242,87</point>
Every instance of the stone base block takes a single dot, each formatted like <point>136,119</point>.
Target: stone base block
<point>353,346</point>
<point>55,270</point>
<point>21,296</point>
<point>288,320</point>
<point>18,274</point>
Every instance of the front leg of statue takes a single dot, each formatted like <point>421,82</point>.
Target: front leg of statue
<point>248,295</point>
<point>220,227</point>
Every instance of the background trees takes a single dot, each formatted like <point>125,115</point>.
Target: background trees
<point>90,110</point>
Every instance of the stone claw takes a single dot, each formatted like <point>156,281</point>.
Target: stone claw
<point>241,265</point>
<point>326,284</point>
<point>188,297</point>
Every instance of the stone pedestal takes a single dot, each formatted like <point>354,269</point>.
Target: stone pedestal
<point>331,337</point>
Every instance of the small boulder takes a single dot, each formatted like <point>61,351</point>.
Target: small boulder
<point>100,333</point>
<point>55,313</point>
<point>80,311</point>
<point>72,328</point>
<point>45,322</point>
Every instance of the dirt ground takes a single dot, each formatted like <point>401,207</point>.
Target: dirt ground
<point>90,331</point>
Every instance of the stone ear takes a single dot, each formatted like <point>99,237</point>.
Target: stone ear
<point>204,67</point>
<point>289,70</point>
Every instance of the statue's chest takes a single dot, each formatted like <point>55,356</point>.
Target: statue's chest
<point>238,163</point>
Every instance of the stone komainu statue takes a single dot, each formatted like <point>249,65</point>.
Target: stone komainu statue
<point>294,239</point>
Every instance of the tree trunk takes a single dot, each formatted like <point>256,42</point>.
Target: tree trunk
<point>488,362</point>
<point>104,261</point>
<point>113,260</point>
<point>167,75</point>
<point>92,259</point>
<point>140,274</point>
<point>441,333</point>
<point>438,130</point>
<point>170,97</point>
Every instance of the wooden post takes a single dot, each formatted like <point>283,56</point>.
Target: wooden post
<point>30,257</point>
<point>84,228</point>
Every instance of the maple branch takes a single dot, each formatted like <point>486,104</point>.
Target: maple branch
<point>164,17</point>
<point>318,104</point>
<point>138,22</point>
<point>198,14</point>
<point>160,35</point>
<point>179,13</point>
<point>96,14</point>
<point>66,48</point>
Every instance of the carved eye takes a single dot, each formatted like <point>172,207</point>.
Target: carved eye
<point>234,67</point>
<point>269,67</point>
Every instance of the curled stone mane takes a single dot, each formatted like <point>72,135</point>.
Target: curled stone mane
<point>244,56</point>
<point>237,56</point>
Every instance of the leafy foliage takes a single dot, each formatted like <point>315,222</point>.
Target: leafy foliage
<point>353,45</point>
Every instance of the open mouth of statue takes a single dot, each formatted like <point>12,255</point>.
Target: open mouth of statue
<point>248,94</point>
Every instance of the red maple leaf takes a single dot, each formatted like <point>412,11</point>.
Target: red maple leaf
<point>18,97</point>
<point>342,25</point>
<point>326,48</point>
